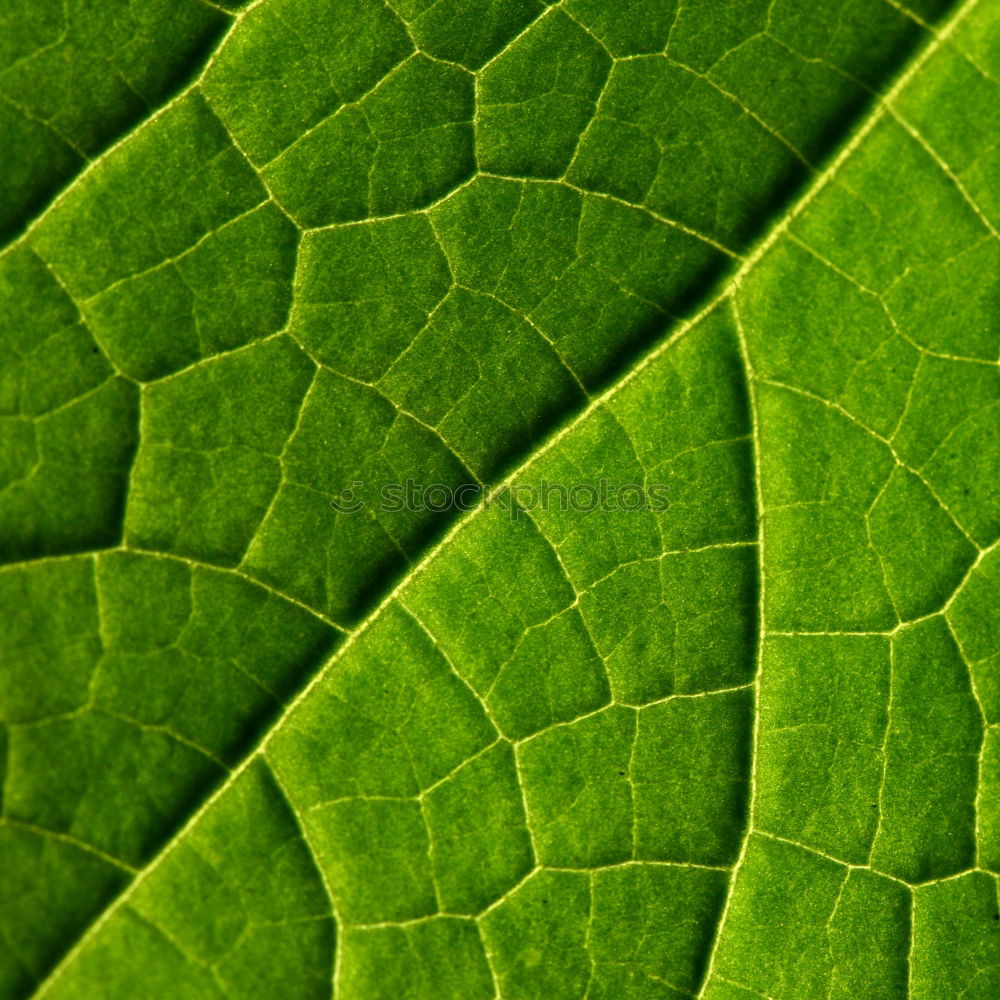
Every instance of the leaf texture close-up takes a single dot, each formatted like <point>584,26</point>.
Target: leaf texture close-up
<point>261,256</point>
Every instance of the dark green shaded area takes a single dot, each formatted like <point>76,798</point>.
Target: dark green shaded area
<point>66,472</point>
<point>76,75</point>
<point>131,682</point>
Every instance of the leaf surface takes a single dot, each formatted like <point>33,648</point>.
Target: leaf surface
<point>742,746</point>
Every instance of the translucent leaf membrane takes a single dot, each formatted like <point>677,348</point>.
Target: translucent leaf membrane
<point>740,746</point>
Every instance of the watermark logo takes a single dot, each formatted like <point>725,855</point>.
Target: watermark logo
<point>514,499</point>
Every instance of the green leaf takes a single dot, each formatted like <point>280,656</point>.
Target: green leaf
<point>738,745</point>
